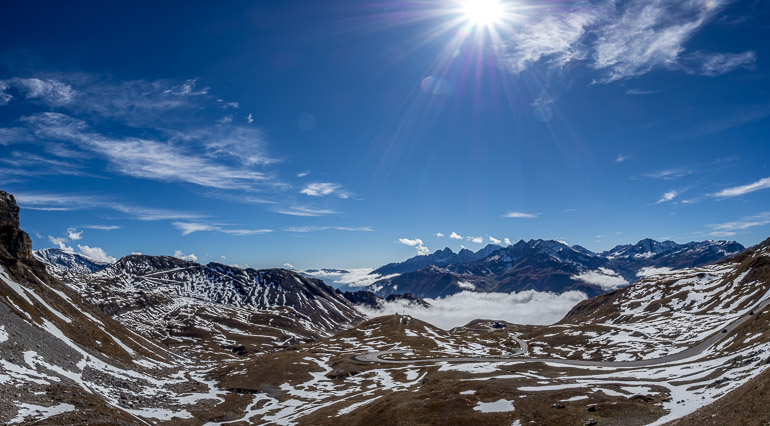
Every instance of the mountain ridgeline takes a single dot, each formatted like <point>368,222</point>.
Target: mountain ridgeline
<point>543,265</point>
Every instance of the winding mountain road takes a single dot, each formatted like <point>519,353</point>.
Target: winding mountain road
<point>376,357</point>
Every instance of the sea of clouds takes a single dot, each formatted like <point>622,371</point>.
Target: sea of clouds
<point>525,307</point>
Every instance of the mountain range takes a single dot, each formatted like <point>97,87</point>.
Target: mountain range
<point>543,265</point>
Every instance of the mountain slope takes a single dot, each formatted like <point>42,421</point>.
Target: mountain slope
<point>63,360</point>
<point>214,308</point>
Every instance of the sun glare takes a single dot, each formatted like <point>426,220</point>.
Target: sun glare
<point>482,12</point>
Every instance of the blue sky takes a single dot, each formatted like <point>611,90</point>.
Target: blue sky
<point>355,133</point>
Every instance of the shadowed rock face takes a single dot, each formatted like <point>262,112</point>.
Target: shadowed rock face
<point>14,243</point>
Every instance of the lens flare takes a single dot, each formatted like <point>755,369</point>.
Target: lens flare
<point>483,12</point>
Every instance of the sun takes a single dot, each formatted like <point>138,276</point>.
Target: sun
<point>482,12</point>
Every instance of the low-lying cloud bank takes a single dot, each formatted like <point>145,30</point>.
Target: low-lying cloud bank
<point>526,307</point>
<point>337,278</point>
<point>602,277</point>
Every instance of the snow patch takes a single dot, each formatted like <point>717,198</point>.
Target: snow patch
<point>500,406</point>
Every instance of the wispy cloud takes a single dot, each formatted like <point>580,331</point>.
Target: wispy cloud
<point>640,92</point>
<point>494,240</point>
<point>329,228</point>
<point>619,40</point>
<point>743,189</point>
<point>455,236</point>
<point>476,240</point>
<point>69,202</point>
<point>520,215</point>
<point>304,211</point>
<point>666,174</point>
<point>439,234</point>
<point>188,228</point>
<point>729,228</point>
<point>322,189</point>
<point>668,196</point>
<point>102,227</point>
<point>621,158</point>
<point>146,158</point>
<point>51,92</point>
<point>714,64</point>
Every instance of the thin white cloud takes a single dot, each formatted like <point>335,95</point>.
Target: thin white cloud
<point>520,215</point>
<point>455,236</point>
<point>188,228</point>
<point>303,174</point>
<point>714,64</point>
<point>226,119</point>
<point>526,307</point>
<point>619,40</point>
<point>476,240</point>
<point>722,234</point>
<point>146,158</point>
<point>494,240</point>
<point>70,202</point>
<point>605,278</point>
<point>439,234</point>
<point>188,257</point>
<point>668,196</point>
<point>102,227</point>
<point>730,228</point>
<point>743,189</point>
<point>74,235</point>
<point>621,158</point>
<point>640,92</point>
<point>507,241</point>
<point>95,253</point>
<point>667,174</point>
<point>51,92</point>
<point>553,38</point>
<point>322,189</point>
<point>249,118</point>
<point>328,228</point>
<point>304,211</point>
<point>288,265</point>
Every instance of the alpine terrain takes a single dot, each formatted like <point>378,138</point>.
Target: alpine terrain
<point>156,339</point>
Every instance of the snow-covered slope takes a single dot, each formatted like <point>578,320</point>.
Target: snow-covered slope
<point>64,362</point>
<point>668,312</point>
<point>214,307</point>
